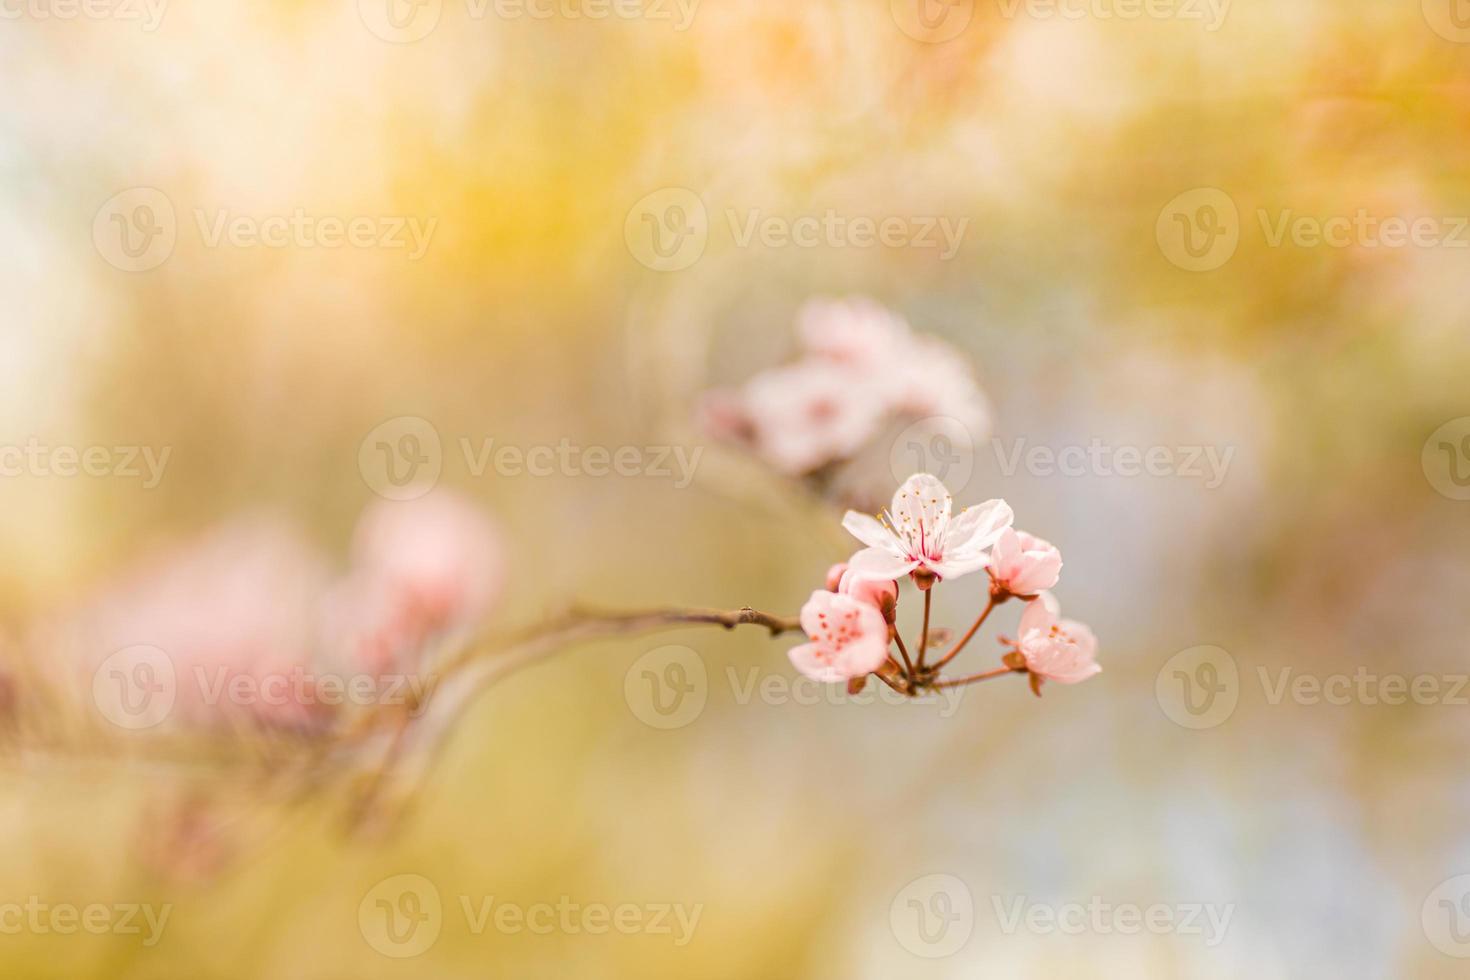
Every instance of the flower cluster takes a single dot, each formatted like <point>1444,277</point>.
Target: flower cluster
<point>850,625</point>
<point>861,366</point>
<point>252,602</point>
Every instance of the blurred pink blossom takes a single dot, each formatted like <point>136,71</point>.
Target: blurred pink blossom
<point>238,602</point>
<point>420,568</point>
<point>848,638</point>
<point>861,366</point>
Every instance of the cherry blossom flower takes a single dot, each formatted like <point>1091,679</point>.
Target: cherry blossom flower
<point>918,534</point>
<point>1061,650</point>
<point>807,414</point>
<point>856,331</point>
<point>848,638</point>
<point>1023,564</point>
<point>875,592</point>
<point>420,568</point>
<point>237,605</point>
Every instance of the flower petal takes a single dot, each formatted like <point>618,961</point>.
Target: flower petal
<point>977,528</point>
<point>921,509</point>
<point>870,532</point>
<point>877,563</point>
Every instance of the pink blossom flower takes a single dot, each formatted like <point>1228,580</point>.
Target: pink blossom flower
<point>848,638</point>
<point>810,413</point>
<point>420,568</point>
<point>855,331</point>
<point>875,592</point>
<point>238,605</point>
<point>1060,650</point>
<point>1023,564</point>
<point>918,533</point>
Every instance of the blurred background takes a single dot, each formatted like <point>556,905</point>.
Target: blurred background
<point>251,242</point>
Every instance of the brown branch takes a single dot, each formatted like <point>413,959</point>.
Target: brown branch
<point>987,675</point>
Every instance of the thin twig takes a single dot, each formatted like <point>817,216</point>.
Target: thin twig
<point>924,633</point>
<point>991,604</point>
<point>998,672</point>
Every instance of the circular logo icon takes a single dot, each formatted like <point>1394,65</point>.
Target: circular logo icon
<point>668,229</point>
<point>1198,688</point>
<point>938,444</point>
<point>135,687</point>
<point>933,916</point>
<point>402,458</point>
<point>136,230</point>
<point>401,916</point>
<point>1446,459</point>
<point>1445,917</point>
<point>1450,19</point>
<point>667,688</point>
<point>932,21</point>
<point>1199,230</point>
<point>400,21</point>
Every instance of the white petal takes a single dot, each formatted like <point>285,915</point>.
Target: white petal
<point>921,509</point>
<point>952,567</point>
<point>977,528</point>
<point>880,564</point>
<point>870,532</point>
